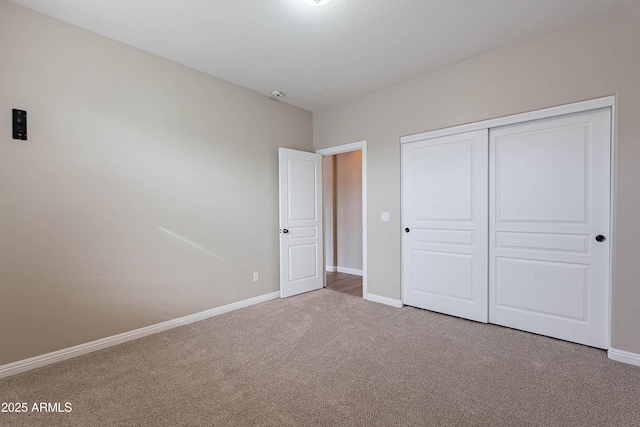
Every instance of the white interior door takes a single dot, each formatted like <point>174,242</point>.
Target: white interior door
<point>549,209</point>
<point>444,212</point>
<point>301,251</point>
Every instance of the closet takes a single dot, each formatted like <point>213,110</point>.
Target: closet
<point>510,224</point>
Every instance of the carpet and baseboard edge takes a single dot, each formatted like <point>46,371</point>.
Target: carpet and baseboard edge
<point>67,353</point>
<point>624,356</point>
<point>383,300</point>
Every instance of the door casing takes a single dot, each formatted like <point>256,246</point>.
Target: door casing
<point>346,148</point>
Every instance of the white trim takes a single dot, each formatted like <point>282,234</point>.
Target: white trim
<point>576,107</point>
<point>345,148</point>
<point>78,350</point>
<point>612,207</point>
<point>348,270</point>
<point>355,146</point>
<point>332,269</point>
<point>624,356</point>
<point>383,300</point>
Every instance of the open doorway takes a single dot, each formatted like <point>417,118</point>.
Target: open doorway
<point>344,202</point>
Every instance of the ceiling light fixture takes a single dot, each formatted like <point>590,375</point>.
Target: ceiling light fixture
<point>317,2</point>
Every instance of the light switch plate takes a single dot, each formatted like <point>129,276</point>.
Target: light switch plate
<point>384,216</point>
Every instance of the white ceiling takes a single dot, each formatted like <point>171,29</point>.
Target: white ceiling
<point>319,56</point>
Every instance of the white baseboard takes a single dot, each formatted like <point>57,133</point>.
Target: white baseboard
<point>334,269</point>
<point>348,270</point>
<point>67,353</point>
<point>624,356</point>
<point>383,300</point>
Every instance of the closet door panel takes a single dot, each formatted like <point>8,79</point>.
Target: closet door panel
<point>549,202</point>
<point>445,225</point>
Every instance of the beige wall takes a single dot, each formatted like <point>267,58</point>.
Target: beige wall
<point>147,191</point>
<point>596,58</point>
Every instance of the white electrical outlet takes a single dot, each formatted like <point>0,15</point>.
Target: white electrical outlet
<point>384,216</point>
<point>256,277</point>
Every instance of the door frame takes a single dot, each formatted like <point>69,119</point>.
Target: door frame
<point>576,107</point>
<point>346,148</point>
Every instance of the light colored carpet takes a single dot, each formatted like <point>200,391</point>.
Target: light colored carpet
<point>330,359</point>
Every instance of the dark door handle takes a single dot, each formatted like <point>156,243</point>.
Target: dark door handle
<point>285,231</point>
<point>600,238</point>
<point>406,230</point>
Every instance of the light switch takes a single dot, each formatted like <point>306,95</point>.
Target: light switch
<point>384,216</point>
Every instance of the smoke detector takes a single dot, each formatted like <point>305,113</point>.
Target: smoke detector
<point>317,2</point>
<point>277,94</point>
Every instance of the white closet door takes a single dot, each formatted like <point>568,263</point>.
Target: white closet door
<point>444,210</point>
<point>549,213</point>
